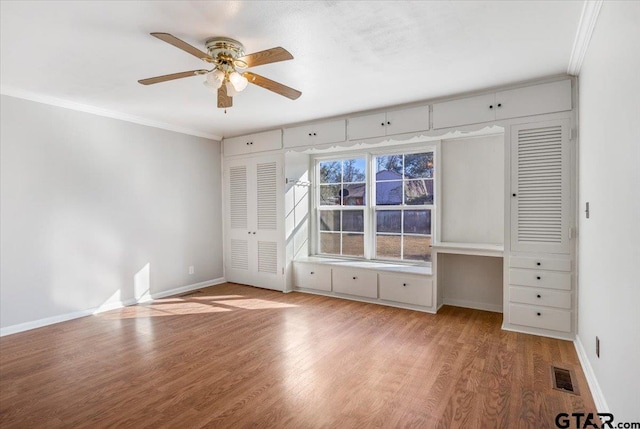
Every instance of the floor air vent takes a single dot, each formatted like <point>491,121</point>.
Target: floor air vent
<point>563,380</point>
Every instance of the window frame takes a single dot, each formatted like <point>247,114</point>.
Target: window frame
<point>369,208</point>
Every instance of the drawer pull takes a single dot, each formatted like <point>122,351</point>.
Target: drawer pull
<point>404,284</point>
<point>355,278</point>
<point>538,263</point>
<point>536,295</point>
<point>538,277</point>
<point>539,314</point>
<point>311,272</point>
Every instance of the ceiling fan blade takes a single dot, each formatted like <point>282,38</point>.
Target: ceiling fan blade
<point>173,76</point>
<point>223,99</point>
<point>271,85</point>
<point>272,55</point>
<point>172,40</point>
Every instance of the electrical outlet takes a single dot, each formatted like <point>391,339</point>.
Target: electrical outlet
<point>191,269</point>
<point>597,346</point>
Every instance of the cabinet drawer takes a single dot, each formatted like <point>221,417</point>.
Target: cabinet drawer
<point>537,278</point>
<point>355,282</point>
<point>540,317</point>
<point>538,296</point>
<point>407,289</point>
<point>312,276</point>
<point>540,263</point>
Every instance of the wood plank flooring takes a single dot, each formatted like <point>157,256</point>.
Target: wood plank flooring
<point>234,356</point>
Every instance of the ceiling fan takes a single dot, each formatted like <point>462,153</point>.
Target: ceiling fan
<point>227,57</point>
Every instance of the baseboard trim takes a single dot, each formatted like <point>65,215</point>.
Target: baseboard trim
<point>594,386</point>
<point>473,304</point>
<point>27,326</point>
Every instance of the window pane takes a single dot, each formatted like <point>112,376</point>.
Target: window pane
<point>353,220</point>
<point>354,194</point>
<point>330,171</point>
<point>330,220</point>
<point>353,244</point>
<point>330,243</point>
<point>353,170</point>
<point>416,248</point>
<point>418,192</point>
<point>389,221</point>
<point>389,167</point>
<point>388,246</point>
<point>417,221</point>
<point>329,195</point>
<point>389,193</point>
<point>418,165</point>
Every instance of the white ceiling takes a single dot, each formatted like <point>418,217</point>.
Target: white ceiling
<point>349,56</point>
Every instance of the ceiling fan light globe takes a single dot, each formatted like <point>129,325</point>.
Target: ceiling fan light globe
<point>213,80</point>
<point>231,91</point>
<point>238,81</point>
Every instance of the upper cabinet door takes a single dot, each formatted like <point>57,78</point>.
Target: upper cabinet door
<point>540,188</point>
<point>407,120</point>
<point>471,110</point>
<point>316,134</point>
<point>364,127</point>
<point>534,100</point>
<point>259,142</point>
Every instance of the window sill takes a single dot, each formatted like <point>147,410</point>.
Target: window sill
<point>371,265</point>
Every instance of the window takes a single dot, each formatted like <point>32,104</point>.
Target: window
<point>342,200</point>
<point>395,224</point>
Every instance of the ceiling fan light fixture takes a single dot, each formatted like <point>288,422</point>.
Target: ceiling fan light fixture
<point>214,79</point>
<point>238,81</point>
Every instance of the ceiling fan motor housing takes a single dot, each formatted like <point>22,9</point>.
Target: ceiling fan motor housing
<point>224,52</point>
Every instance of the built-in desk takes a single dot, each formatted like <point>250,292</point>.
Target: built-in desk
<point>469,275</point>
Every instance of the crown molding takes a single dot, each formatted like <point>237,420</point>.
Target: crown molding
<point>588,19</point>
<point>59,102</point>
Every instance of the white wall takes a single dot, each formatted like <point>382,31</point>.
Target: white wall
<point>95,211</point>
<point>472,181</point>
<point>609,179</point>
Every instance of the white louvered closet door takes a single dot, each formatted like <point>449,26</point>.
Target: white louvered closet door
<point>253,219</point>
<point>540,188</point>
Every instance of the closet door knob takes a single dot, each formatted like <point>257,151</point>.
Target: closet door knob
<point>491,107</point>
<point>314,134</point>
<point>382,124</point>
<point>514,194</point>
<point>254,233</point>
<point>309,134</point>
<point>499,104</point>
<point>248,232</point>
<point>388,123</point>
<point>536,295</point>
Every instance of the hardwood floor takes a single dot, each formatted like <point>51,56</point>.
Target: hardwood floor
<point>237,356</point>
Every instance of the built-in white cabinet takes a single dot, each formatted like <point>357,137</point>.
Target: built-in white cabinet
<point>315,134</point>
<point>251,143</point>
<point>312,276</point>
<point>407,289</point>
<point>513,103</point>
<point>254,193</point>
<point>540,187</point>
<point>389,123</point>
<point>354,281</point>
<point>540,293</point>
<point>540,288</point>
